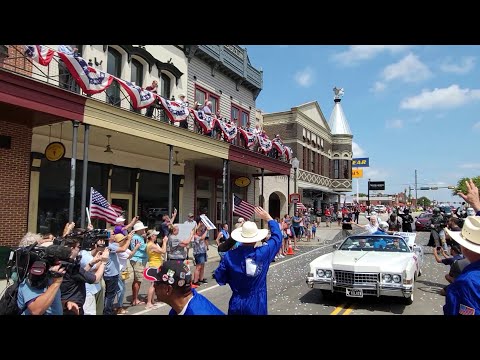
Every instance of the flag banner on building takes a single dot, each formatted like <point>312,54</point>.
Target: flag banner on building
<point>278,144</point>
<point>301,207</point>
<point>101,209</point>
<point>288,153</point>
<point>39,53</point>
<point>242,208</point>
<point>249,137</point>
<point>91,80</point>
<point>206,122</point>
<point>176,111</point>
<point>141,98</point>
<point>265,143</point>
<point>229,130</point>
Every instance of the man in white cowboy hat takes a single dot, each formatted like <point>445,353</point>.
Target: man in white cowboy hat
<point>463,295</point>
<point>138,261</point>
<point>245,268</point>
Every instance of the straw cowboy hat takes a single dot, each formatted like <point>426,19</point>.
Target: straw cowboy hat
<point>139,226</point>
<point>469,237</point>
<point>249,233</point>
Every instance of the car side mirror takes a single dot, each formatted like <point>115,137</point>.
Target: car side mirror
<point>335,246</point>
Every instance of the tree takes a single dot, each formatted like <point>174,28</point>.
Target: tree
<point>423,201</point>
<point>462,187</point>
<point>362,195</point>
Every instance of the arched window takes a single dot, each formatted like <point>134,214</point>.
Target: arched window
<point>136,76</point>
<point>114,67</point>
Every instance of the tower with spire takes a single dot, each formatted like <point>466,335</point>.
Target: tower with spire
<point>338,122</point>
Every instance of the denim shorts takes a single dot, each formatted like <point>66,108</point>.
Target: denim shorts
<point>200,258</point>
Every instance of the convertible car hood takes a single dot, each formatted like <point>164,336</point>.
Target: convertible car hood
<point>370,261</point>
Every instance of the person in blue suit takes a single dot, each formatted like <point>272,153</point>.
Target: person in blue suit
<point>245,268</point>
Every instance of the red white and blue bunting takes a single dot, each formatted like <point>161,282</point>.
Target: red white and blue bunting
<point>39,53</point>
<point>176,111</point>
<point>229,130</point>
<point>206,122</point>
<point>249,137</point>
<point>265,143</point>
<point>140,97</point>
<point>288,153</point>
<point>91,80</point>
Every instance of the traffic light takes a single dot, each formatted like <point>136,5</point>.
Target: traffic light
<point>434,188</point>
<point>424,188</point>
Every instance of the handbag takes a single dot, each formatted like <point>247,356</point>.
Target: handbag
<point>125,275</point>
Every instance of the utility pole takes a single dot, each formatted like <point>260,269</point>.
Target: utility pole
<point>416,197</point>
<point>368,197</point>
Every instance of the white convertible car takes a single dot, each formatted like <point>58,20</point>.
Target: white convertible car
<point>369,265</point>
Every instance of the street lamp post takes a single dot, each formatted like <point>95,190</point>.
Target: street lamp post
<point>295,164</point>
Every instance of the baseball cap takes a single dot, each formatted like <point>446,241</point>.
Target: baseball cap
<point>120,219</point>
<point>190,215</point>
<point>171,272</point>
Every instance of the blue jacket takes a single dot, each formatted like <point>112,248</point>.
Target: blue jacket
<point>249,291</point>
<point>199,305</point>
<point>463,295</point>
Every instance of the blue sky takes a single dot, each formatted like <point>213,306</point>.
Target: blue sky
<point>409,107</point>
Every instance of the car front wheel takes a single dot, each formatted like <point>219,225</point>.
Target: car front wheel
<point>409,300</point>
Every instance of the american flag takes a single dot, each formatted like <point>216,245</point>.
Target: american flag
<point>100,208</point>
<point>301,207</point>
<point>242,208</point>
<point>466,310</point>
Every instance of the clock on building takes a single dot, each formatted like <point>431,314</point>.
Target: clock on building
<point>242,181</point>
<point>55,151</point>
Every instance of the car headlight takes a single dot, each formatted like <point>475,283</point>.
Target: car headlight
<point>328,274</point>
<point>387,277</point>
<point>396,278</point>
<point>320,273</point>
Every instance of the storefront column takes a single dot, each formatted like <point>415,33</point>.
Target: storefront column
<point>137,184</point>
<point>288,194</point>
<point>228,203</point>
<point>36,161</point>
<point>170,181</point>
<point>263,199</point>
<point>109,183</point>
<point>224,192</point>
<point>73,168</point>
<point>84,175</point>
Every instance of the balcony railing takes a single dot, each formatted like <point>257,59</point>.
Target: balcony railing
<point>56,75</point>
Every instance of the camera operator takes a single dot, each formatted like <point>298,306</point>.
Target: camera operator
<point>39,293</point>
<point>438,222</point>
<point>73,286</point>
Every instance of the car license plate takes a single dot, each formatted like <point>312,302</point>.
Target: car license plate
<point>355,293</point>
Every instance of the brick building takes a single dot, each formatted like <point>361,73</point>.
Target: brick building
<point>324,151</point>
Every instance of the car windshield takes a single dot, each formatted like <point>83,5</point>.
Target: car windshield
<point>382,243</point>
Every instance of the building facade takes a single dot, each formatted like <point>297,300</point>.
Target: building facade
<point>143,165</point>
<point>324,152</point>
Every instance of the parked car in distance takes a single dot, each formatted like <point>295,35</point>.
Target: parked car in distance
<point>381,209</point>
<point>368,265</point>
<point>423,221</point>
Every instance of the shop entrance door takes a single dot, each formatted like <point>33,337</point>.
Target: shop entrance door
<point>124,203</point>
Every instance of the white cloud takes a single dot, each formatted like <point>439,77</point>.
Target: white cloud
<point>476,126</point>
<point>304,77</point>
<point>374,174</point>
<point>357,150</point>
<point>470,166</point>
<point>444,98</point>
<point>394,124</point>
<point>466,65</point>
<point>409,69</point>
<point>357,53</point>
<point>378,87</point>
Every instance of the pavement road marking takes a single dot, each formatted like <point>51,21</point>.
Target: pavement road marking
<point>349,310</point>
<point>271,266</point>
<point>337,309</point>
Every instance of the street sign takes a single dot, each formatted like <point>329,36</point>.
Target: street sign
<point>361,162</point>
<point>376,185</point>
<point>357,173</point>
<point>294,198</point>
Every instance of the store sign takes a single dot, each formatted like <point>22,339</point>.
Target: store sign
<point>361,162</point>
<point>234,50</point>
<point>376,185</point>
<point>357,173</point>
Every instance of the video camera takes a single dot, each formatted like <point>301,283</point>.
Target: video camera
<point>87,238</point>
<point>22,259</point>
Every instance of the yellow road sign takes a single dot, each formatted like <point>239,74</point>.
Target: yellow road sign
<point>357,173</point>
